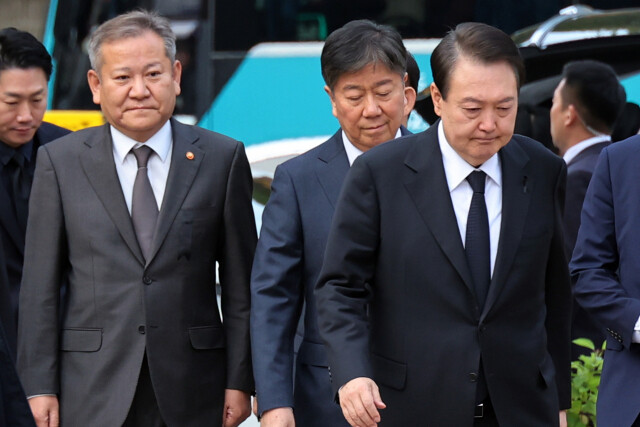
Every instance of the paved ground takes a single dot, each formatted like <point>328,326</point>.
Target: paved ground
<point>252,421</point>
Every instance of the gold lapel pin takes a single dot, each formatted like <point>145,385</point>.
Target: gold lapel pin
<point>190,155</point>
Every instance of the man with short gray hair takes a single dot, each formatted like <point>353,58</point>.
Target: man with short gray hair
<point>134,215</point>
<point>363,65</point>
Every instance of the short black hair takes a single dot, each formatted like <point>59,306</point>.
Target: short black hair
<point>20,49</point>
<point>360,43</point>
<point>413,71</point>
<point>595,91</point>
<point>480,42</point>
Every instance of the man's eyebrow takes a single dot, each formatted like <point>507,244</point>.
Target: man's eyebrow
<point>478,101</point>
<point>20,95</point>
<point>353,86</point>
<point>375,85</point>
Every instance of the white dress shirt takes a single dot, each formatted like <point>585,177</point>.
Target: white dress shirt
<point>352,151</point>
<point>456,170</point>
<point>157,166</point>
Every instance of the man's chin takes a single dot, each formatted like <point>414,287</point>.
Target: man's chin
<point>18,140</point>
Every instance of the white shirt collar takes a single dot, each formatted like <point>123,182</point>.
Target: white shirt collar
<point>160,142</point>
<point>352,151</point>
<point>457,169</point>
<point>573,151</point>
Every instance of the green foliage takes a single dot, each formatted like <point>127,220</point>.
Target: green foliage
<point>585,379</point>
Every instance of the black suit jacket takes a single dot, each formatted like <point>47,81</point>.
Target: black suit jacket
<point>396,302</point>
<point>121,307</point>
<point>579,172</point>
<point>13,244</point>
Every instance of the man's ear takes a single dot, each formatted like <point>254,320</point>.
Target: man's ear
<point>437,99</point>
<point>410,99</point>
<point>570,115</point>
<point>94,84</point>
<point>333,101</point>
<point>176,74</point>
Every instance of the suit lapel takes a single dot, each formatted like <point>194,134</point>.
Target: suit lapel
<point>332,167</point>
<point>427,185</point>
<point>98,165</point>
<point>182,172</point>
<point>517,187</point>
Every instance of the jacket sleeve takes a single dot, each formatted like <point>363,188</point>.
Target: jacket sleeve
<point>343,289</point>
<point>45,258</point>
<point>558,298</point>
<point>595,262</point>
<point>277,294</point>
<point>235,269</point>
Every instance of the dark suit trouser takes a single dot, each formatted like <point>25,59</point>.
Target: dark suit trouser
<point>14,409</point>
<point>314,402</point>
<point>144,411</point>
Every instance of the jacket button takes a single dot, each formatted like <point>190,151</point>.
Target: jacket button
<point>473,377</point>
<point>147,280</point>
<point>141,329</point>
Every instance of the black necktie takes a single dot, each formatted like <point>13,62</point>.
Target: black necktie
<point>21,187</point>
<point>477,247</point>
<point>144,209</point>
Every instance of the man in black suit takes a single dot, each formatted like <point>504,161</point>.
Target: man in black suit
<point>25,67</point>
<point>14,409</point>
<point>134,216</point>
<point>444,295</point>
<point>363,65</point>
<point>586,105</point>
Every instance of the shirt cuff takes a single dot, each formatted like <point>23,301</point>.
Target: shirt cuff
<point>38,395</point>
<point>635,337</point>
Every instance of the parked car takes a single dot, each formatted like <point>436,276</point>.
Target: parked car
<point>577,32</point>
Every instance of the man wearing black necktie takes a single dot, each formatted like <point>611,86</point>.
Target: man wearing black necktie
<point>25,67</point>
<point>137,215</point>
<point>444,296</point>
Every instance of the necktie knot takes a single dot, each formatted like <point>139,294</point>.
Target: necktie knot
<point>142,154</point>
<point>476,179</point>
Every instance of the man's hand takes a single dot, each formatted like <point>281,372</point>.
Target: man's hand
<point>563,418</point>
<point>237,407</point>
<point>45,411</point>
<point>360,400</point>
<point>278,417</point>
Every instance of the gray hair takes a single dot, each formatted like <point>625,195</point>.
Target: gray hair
<point>131,24</point>
<point>360,43</point>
